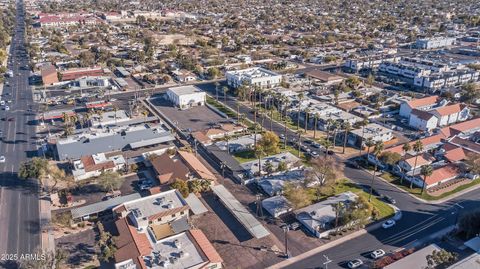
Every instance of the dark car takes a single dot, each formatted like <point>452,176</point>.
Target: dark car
<point>374,192</point>
<point>389,199</point>
<point>353,164</point>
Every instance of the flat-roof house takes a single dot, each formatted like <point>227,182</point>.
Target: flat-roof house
<point>324,77</point>
<point>76,73</point>
<point>416,260</point>
<point>373,131</point>
<point>185,97</point>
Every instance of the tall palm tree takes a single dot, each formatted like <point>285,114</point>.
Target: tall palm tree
<point>285,124</point>
<point>346,128</point>
<point>376,150</point>
<point>306,111</point>
<point>315,121</point>
<point>227,138</point>
<point>335,129</point>
<point>363,123</point>
<point>425,171</point>
<point>417,147</point>
<point>225,90</point>
<point>406,148</point>
<point>369,143</point>
<point>216,90</point>
<point>300,99</point>
<point>299,141</point>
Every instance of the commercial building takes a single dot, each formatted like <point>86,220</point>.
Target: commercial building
<point>255,76</point>
<point>108,140</point>
<point>185,97</point>
<point>373,131</point>
<point>326,78</point>
<point>76,73</point>
<point>357,64</point>
<point>416,260</point>
<point>434,42</point>
<point>66,20</point>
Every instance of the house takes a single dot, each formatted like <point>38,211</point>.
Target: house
<point>102,208</point>
<point>186,97</point>
<point>421,104</point>
<point>277,205</point>
<point>292,162</point>
<point>439,175</point>
<point>465,128</point>
<point>186,250</point>
<point>148,212</point>
<point>168,170</point>
<point>197,167</point>
<point>49,74</point>
<point>422,120</point>
<point>273,184</point>
<point>320,217</point>
<point>408,164</point>
<point>255,76</point>
<point>373,131</point>
<point>218,131</point>
<point>451,114</point>
<point>184,76</point>
<point>94,165</point>
<point>243,143</point>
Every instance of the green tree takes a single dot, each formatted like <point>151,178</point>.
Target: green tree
<point>376,150</point>
<point>181,186</point>
<point>441,258</point>
<point>406,148</point>
<point>470,92</point>
<point>472,163</point>
<point>269,143</point>
<point>390,158</point>
<point>110,181</point>
<point>213,72</point>
<point>34,168</point>
<point>297,195</point>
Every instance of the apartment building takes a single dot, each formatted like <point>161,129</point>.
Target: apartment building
<point>255,76</point>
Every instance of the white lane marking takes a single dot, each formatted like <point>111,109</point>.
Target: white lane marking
<point>457,204</point>
<point>14,135</point>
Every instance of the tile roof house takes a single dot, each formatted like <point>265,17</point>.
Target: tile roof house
<point>94,165</point>
<point>49,74</point>
<point>422,120</point>
<point>442,174</point>
<point>451,114</point>
<point>169,170</point>
<point>422,104</point>
<point>409,164</point>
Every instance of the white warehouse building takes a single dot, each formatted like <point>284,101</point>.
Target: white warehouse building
<point>186,97</point>
<point>434,43</point>
<point>255,76</point>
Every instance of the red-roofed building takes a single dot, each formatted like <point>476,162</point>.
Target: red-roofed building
<point>49,74</point>
<point>75,73</point>
<point>409,164</point>
<point>442,175</point>
<point>450,114</point>
<point>455,155</point>
<point>422,104</point>
<point>467,127</point>
<point>66,20</point>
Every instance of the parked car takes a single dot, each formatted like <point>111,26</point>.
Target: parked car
<point>2,159</point>
<point>377,253</point>
<point>389,199</point>
<point>294,226</point>
<point>316,145</point>
<point>355,263</point>
<point>388,224</point>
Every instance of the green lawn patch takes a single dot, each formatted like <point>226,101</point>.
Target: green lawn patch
<point>389,177</point>
<point>244,156</point>
<point>417,191</point>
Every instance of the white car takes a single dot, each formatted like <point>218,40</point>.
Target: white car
<point>388,224</point>
<point>355,263</point>
<point>377,253</point>
<point>2,159</point>
<point>7,108</point>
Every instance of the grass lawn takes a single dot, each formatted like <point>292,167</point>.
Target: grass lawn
<point>244,156</point>
<point>345,185</point>
<point>389,177</point>
<point>417,191</point>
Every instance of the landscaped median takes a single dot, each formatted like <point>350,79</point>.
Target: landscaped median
<point>417,192</point>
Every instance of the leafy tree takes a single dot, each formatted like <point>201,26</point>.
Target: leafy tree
<point>213,72</point>
<point>34,168</point>
<point>181,186</point>
<point>470,92</point>
<point>325,169</point>
<point>469,223</point>
<point>282,166</point>
<point>110,181</point>
<point>417,147</point>
<point>390,158</point>
<point>297,195</point>
<point>198,185</point>
<point>269,143</point>
<point>441,258</point>
<point>473,163</point>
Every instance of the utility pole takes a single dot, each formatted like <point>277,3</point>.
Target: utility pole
<point>327,261</point>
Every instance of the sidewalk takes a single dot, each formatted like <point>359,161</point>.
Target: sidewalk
<point>46,238</point>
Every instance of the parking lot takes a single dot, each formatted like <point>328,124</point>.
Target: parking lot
<point>194,119</point>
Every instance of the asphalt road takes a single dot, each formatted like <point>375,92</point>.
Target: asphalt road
<point>19,207</point>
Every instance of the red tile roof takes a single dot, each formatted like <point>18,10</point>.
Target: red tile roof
<point>205,245</point>
<point>130,244</point>
<point>421,160</point>
<point>197,166</point>
<point>448,110</point>
<point>455,155</point>
<point>90,165</point>
<point>465,126</point>
<point>424,115</point>
<point>423,101</point>
<point>434,139</point>
<point>447,172</point>
<point>169,170</point>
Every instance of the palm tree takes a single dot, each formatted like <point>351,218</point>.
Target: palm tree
<point>115,109</point>
<point>326,144</point>
<point>306,111</point>
<point>406,148</point>
<point>225,90</point>
<point>216,90</point>
<point>227,138</point>
<point>417,147</point>
<point>363,123</point>
<point>369,143</point>
<point>377,150</point>
<point>346,127</point>
<point>299,141</point>
<point>285,124</point>
<point>315,121</point>
<point>335,129</point>
<point>425,171</point>
<point>300,99</point>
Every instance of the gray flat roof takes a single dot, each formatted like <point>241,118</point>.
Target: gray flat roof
<point>87,210</point>
<point>153,141</point>
<point>416,260</point>
<point>253,226</point>
<point>195,204</point>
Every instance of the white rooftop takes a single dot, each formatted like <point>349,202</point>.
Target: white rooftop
<point>254,72</point>
<point>184,90</point>
<point>175,252</point>
<point>371,130</point>
<point>154,204</point>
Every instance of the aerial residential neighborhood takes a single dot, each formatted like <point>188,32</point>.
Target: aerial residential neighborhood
<point>239,134</point>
